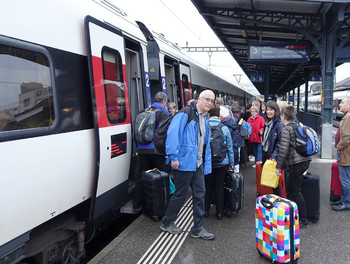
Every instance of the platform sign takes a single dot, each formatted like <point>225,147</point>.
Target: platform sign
<point>257,78</point>
<point>291,99</point>
<point>277,52</point>
<point>315,78</point>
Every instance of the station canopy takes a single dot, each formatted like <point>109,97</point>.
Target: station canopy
<point>282,36</point>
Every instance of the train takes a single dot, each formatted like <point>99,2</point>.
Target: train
<point>73,76</point>
<point>315,103</point>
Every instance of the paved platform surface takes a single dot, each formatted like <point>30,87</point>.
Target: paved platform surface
<point>143,242</point>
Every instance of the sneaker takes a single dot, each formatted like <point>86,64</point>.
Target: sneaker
<point>203,234</point>
<point>254,166</point>
<point>336,202</point>
<point>172,229</point>
<point>340,207</point>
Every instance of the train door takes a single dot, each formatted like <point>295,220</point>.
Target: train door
<point>185,81</point>
<point>134,81</point>
<point>171,82</point>
<point>110,103</point>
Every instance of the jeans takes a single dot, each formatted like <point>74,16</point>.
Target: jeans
<point>183,180</point>
<point>214,186</point>
<point>257,150</point>
<point>294,182</point>
<point>344,176</point>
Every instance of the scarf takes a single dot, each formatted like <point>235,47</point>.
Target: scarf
<point>265,144</point>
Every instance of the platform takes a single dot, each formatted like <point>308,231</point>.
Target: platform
<point>143,242</point>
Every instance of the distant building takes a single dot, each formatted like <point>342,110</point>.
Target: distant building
<point>316,87</point>
<point>344,84</point>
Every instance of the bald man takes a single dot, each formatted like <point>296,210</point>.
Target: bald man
<point>189,154</point>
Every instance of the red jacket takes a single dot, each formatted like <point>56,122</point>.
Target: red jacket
<point>257,125</point>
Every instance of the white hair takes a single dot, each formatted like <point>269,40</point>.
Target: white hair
<point>224,112</point>
<point>205,92</point>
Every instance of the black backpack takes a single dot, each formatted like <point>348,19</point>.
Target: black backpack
<point>161,133</point>
<point>145,123</point>
<point>217,144</point>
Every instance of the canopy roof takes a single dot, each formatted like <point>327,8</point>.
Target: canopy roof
<point>239,23</point>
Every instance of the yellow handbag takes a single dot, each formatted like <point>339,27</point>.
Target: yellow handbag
<point>269,177</point>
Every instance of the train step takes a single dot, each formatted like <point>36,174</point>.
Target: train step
<point>128,209</point>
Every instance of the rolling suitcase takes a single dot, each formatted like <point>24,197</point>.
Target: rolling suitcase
<point>262,190</point>
<point>233,191</point>
<point>311,192</point>
<point>335,192</point>
<point>277,229</point>
<point>156,193</point>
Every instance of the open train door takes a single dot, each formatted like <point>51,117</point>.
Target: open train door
<point>185,81</point>
<point>110,104</point>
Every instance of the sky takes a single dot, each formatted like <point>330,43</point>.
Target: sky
<point>180,22</point>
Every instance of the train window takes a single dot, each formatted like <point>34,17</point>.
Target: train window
<point>114,85</point>
<point>25,89</point>
<point>186,89</point>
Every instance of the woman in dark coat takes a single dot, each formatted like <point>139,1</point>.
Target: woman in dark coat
<point>272,136</point>
<point>297,164</point>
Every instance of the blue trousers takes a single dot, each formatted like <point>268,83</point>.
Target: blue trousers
<point>344,176</point>
<point>257,150</point>
<point>183,180</point>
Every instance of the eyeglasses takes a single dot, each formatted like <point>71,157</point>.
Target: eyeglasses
<point>209,100</point>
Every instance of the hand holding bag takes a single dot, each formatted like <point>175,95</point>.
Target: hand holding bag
<point>269,177</point>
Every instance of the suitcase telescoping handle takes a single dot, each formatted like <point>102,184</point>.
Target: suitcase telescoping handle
<point>267,203</point>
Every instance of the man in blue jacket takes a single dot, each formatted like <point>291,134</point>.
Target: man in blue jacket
<point>189,154</point>
<point>148,157</point>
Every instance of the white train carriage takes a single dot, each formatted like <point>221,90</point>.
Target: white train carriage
<point>73,76</point>
<point>315,103</point>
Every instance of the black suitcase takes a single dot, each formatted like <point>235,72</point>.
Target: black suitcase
<point>233,191</point>
<point>311,192</point>
<point>156,193</point>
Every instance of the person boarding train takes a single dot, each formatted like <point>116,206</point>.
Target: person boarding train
<point>189,154</point>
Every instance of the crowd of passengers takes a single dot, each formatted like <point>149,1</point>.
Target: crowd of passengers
<point>190,163</point>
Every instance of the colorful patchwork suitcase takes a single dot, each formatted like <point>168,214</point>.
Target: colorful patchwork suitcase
<point>277,229</point>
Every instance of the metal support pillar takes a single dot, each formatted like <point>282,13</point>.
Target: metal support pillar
<point>328,72</point>
<point>298,99</point>
<point>328,44</point>
<point>306,95</point>
<point>267,82</point>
